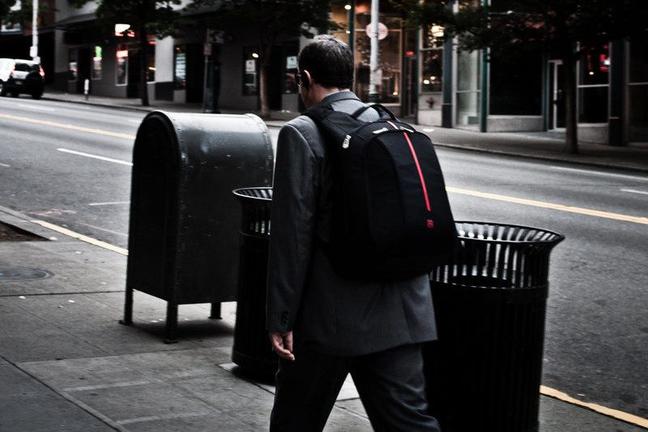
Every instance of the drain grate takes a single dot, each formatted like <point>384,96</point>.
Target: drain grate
<point>9,274</point>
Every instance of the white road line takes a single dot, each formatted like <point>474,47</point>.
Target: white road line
<point>5,165</point>
<point>109,203</point>
<point>597,173</point>
<point>36,107</point>
<point>635,191</point>
<point>88,155</point>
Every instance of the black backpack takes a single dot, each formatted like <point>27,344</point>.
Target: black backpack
<point>390,215</point>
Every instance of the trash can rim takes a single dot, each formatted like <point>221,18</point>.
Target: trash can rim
<point>241,194</point>
<point>554,238</point>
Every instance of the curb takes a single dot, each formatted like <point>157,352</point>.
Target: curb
<point>24,222</point>
<point>103,105</point>
<point>545,158</point>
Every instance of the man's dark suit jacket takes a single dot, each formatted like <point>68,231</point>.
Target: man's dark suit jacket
<point>327,313</point>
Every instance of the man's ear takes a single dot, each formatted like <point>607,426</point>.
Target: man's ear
<point>306,79</point>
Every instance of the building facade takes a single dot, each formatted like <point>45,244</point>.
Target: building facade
<point>524,92</point>
<point>431,83</point>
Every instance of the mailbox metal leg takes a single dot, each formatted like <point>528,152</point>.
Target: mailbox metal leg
<point>128,308</point>
<point>215,311</point>
<point>171,323</point>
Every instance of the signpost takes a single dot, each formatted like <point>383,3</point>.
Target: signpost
<point>33,51</point>
<point>373,56</point>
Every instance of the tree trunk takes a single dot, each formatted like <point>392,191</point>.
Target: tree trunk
<point>571,120</point>
<point>143,43</point>
<point>263,81</point>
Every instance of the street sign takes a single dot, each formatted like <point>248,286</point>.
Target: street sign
<point>383,31</point>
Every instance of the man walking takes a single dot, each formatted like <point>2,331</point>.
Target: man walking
<point>322,325</point>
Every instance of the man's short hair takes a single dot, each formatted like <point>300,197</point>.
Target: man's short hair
<point>329,62</point>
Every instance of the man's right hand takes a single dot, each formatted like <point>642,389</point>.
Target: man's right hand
<point>282,343</point>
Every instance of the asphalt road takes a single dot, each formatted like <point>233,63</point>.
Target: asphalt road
<point>70,165</point>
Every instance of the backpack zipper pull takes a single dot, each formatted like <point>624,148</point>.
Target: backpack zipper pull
<point>345,143</point>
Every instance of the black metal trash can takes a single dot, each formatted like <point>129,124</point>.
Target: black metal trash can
<point>484,371</point>
<point>252,349</point>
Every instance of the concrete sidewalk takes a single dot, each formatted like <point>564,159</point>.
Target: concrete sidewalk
<point>547,146</point>
<point>66,365</point>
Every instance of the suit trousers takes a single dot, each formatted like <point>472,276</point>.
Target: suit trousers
<point>390,383</point>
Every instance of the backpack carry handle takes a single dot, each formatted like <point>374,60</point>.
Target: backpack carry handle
<point>378,107</point>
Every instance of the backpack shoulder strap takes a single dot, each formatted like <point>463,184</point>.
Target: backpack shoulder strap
<point>382,110</point>
<point>319,113</point>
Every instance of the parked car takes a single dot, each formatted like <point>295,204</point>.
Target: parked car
<point>21,76</point>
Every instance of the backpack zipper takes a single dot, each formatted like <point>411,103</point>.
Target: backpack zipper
<point>418,168</point>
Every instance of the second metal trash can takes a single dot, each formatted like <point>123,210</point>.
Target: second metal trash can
<point>252,349</point>
<point>484,371</point>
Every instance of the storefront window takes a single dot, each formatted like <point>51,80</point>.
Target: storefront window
<point>121,76</point>
<point>180,68</point>
<point>432,37</point>
<point>593,104</point>
<point>290,81</point>
<point>150,58</point>
<point>595,66</point>
<point>468,87</point>
<point>73,68</point>
<point>593,83</point>
<point>97,60</point>
<point>638,91</point>
<point>515,83</point>
<point>250,72</point>
<point>431,70</point>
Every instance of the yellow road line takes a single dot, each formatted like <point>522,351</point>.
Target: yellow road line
<point>68,126</point>
<point>619,415</point>
<point>81,237</point>
<point>552,206</point>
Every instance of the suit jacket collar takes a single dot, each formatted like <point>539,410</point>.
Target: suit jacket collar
<point>341,95</point>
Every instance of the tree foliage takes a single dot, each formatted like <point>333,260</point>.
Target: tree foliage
<point>563,29</point>
<point>267,21</point>
<point>21,15</point>
<point>5,8</point>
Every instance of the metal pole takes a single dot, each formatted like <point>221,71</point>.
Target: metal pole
<point>34,47</point>
<point>352,25</point>
<point>373,58</point>
<point>485,69</point>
